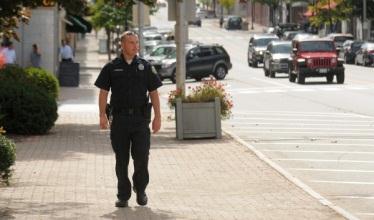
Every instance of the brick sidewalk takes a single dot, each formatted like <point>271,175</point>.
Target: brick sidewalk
<point>69,174</point>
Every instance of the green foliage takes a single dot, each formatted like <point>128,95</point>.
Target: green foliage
<point>36,76</point>
<point>12,12</point>
<point>27,102</point>
<point>7,158</point>
<point>207,92</point>
<point>326,15</point>
<point>44,79</point>
<point>228,4</point>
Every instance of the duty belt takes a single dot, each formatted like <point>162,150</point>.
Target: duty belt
<point>129,111</point>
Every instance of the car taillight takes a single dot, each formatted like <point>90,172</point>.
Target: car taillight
<point>333,60</point>
<point>309,61</point>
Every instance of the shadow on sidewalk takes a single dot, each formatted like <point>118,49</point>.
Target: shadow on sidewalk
<point>139,213</point>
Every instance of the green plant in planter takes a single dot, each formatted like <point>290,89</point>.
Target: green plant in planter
<point>206,92</point>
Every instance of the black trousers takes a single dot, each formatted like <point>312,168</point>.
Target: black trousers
<point>130,134</point>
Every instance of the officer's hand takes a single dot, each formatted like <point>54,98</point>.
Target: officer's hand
<point>156,124</point>
<point>103,122</point>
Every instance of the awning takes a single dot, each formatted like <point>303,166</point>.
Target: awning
<point>300,4</point>
<point>79,24</point>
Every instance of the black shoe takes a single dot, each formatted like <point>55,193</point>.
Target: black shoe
<point>121,203</point>
<point>141,198</point>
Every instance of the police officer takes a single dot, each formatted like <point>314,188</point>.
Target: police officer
<point>129,78</point>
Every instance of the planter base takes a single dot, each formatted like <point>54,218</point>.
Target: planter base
<point>198,120</point>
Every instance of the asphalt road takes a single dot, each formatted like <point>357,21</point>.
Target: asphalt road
<point>321,133</point>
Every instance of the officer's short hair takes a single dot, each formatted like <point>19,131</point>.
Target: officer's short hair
<point>127,33</point>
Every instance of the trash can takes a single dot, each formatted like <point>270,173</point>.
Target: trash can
<point>102,46</point>
<point>245,25</point>
<point>68,74</point>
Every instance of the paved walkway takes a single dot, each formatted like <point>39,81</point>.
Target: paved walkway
<point>69,173</point>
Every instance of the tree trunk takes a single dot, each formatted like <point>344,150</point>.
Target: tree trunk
<point>109,50</point>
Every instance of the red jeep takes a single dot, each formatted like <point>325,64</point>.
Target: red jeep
<point>315,58</point>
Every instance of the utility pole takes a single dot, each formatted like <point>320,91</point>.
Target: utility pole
<point>252,13</point>
<point>364,21</point>
<point>181,33</point>
<point>140,27</point>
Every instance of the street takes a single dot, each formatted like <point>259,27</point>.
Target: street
<point>323,134</point>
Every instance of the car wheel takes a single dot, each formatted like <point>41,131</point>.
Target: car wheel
<point>340,78</point>
<point>291,76</point>
<point>301,78</point>
<point>220,72</point>
<point>173,77</point>
<point>365,62</point>
<point>249,61</point>
<point>254,63</point>
<point>266,72</point>
<point>271,72</point>
<point>330,78</point>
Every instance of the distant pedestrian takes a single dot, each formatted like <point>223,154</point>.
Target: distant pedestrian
<point>35,56</point>
<point>66,52</point>
<point>10,53</point>
<point>221,22</point>
<point>132,81</point>
<point>2,55</point>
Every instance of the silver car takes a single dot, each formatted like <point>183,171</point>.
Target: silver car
<point>276,57</point>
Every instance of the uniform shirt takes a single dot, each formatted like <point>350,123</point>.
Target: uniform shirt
<point>66,52</point>
<point>129,83</point>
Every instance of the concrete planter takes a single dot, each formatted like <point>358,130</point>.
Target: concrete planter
<point>198,120</point>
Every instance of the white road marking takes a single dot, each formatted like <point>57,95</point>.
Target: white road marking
<point>293,113</point>
<point>355,197</point>
<point>317,144</point>
<point>303,128</point>
<point>328,161</point>
<point>300,119</point>
<point>342,182</point>
<point>315,133</point>
<point>365,213</point>
<point>319,151</point>
<point>333,170</point>
<point>240,123</point>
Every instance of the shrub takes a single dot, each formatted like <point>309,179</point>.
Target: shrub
<point>7,158</point>
<point>36,76</point>
<point>28,109</point>
<point>44,79</point>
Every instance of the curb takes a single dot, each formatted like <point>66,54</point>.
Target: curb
<point>293,179</point>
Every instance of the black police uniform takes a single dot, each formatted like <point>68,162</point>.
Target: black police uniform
<point>130,131</point>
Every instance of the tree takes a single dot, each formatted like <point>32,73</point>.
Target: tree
<point>330,12</point>
<point>228,4</point>
<point>108,16</point>
<point>274,6</point>
<point>357,8</point>
<point>12,12</point>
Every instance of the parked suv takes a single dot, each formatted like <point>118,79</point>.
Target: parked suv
<point>315,58</point>
<point>257,46</point>
<point>201,61</point>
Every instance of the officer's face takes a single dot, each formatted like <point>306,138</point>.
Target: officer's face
<point>130,45</point>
